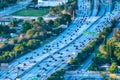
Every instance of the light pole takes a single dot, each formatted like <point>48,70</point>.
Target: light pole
<point>17,70</point>
<point>15,55</point>
<point>73,14</point>
<point>67,23</point>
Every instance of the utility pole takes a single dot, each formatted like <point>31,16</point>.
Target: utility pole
<point>17,78</point>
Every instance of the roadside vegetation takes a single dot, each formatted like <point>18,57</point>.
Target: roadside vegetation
<point>33,34</point>
<point>92,46</point>
<point>5,31</point>
<point>58,75</point>
<point>68,8</point>
<point>85,53</point>
<point>109,53</point>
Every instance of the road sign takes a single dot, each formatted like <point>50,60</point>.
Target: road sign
<point>34,78</point>
<point>61,77</point>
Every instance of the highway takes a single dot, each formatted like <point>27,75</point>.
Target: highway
<point>24,60</point>
<point>55,55</point>
<point>87,63</point>
<point>18,63</point>
<point>69,49</point>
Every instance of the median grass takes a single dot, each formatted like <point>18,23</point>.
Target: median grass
<point>32,12</point>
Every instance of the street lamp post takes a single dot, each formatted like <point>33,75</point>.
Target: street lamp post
<point>17,70</point>
<point>67,23</point>
<point>15,55</point>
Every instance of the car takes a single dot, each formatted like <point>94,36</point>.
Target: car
<point>24,64</point>
<point>34,52</point>
<point>22,69</point>
<point>37,54</point>
<point>63,60</point>
<point>26,58</point>
<point>6,77</point>
<point>69,55</point>
<point>31,57</point>
<point>55,59</point>
<point>38,75</point>
<point>54,66</point>
<point>50,61</point>
<point>47,65</point>
<point>38,65</point>
<point>34,61</point>
<point>60,56</point>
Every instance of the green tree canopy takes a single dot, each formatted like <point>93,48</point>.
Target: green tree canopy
<point>26,26</point>
<point>113,68</point>
<point>41,20</point>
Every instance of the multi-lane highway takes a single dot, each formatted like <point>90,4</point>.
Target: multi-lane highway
<point>72,47</point>
<point>86,64</point>
<point>55,55</point>
<point>30,60</point>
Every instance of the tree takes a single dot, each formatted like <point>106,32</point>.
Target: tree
<point>38,27</point>
<point>100,59</point>
<point>55,10</point>
<point>58,9</point>
<point>71,60</point>
<point>6,55</point>
<point>113,68</point>
<point>35,1</point>
<point>36,35</point>
<point>102,50</point>
<point>105,40</point>
<point>52,11</point>
<point>6,30</point>
<point>31,44</point>
<point>117,52</point>
<point>30,33</point>
<point>66,18</point>
<point>50,22</point>
<point>26,26</point>
<point>65,7</point>
<point>13,23</point>
<point>41,20</point>
<point>110,48</point>
<point>115,33</point>
<point>73,7</point>
<point>113,21</point>
<point>4,3</point>
<point>18,48</point>
<point>58,22</point>
<point>58,75</point>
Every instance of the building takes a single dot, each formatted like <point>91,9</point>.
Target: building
<point>4,21</point>
<point>50,3</point>
<point>105,67</point>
